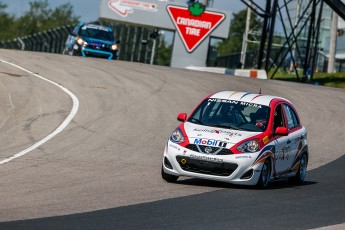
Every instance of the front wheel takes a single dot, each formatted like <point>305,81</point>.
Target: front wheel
<point>302,171</point>
<point>167,177</point>
<point>265,175</point>
<point>74,52</point>
<point>65,51</point>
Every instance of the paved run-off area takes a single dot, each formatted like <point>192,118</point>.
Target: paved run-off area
<point>110,154</point>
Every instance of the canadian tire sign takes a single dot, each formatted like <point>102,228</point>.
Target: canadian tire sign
<point>194,24</point>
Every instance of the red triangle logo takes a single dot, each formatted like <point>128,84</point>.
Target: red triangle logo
<point>193,29</point>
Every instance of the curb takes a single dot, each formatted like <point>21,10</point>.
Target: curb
<point>252,73</point>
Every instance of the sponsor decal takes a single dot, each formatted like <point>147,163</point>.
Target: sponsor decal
<point>283,154</point>
<point>125,7</point>
<point>174,147</point>
<point>251,104</point>
<point>235,102</point>
<point>230,133</point>
<point>206,158</point>
<point>200,141</point>
<point>243,157</point>
<point>193,23</point>
<point>208,150</point>
<point>266,152</point>
<point>223,101</point>
<point>222,144</point>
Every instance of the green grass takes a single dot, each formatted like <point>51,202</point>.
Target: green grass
<point>327,79</point>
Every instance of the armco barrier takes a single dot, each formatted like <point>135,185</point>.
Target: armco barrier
<point>252,73</point>
<point>51,41</point>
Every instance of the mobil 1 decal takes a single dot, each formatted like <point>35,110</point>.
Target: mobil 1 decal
<point>200,141</point>
<point>194,23</point>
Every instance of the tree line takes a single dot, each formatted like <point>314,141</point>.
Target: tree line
<point>38,18</point>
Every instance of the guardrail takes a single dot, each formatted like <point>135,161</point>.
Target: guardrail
<point>136,42</point>
<point>51,41</point>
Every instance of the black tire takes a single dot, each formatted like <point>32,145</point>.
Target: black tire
<point>65,51</point>
<point>302,171</point>
<point>74,52</point>
<point>265,175</point>
<point>167,177</point>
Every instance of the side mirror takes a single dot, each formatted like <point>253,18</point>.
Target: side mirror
<point>282,131</point>
<point>182,117</point>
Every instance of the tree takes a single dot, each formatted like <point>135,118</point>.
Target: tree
<point>40,17</point>
<point>237,28</point>
<point>35,19</point>
<point>6,23</point>
<point>62,15</point>
<point>163,54</point>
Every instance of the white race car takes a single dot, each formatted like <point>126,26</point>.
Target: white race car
<point>240,138</point>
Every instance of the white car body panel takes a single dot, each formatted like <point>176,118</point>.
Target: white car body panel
<point>203,143</point>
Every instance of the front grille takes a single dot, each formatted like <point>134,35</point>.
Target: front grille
<point>206,167</point>
<point>98,46</point>
<point>215,150</point>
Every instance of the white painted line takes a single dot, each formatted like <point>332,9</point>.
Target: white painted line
<point>56,131</point>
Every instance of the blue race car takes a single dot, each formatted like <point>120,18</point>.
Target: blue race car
<point>92,40</point>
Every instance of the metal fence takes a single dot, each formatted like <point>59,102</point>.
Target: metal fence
<point>232,61</point>
<point>51,41</point>
<point>136,43</point>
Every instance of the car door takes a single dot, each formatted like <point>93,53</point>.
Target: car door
<point>295,134</point>
<point>282,143</point>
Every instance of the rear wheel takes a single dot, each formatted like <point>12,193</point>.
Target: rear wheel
<point>302,171</point>
<point>265,175</point>
<point>167,177</point>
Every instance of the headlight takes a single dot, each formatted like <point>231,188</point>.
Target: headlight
<point>177,136</point>
<point>80,41</point>
<point>114,47</point>
<point>249,146</point>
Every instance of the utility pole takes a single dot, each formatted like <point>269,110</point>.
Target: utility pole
<point>245,37</point>
<point>333,43</point>
<point>298,10</point>
<point>153,51</point>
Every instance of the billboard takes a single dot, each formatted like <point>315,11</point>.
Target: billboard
<point>193,23</point>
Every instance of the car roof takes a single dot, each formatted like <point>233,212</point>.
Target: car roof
<point>261,99</point>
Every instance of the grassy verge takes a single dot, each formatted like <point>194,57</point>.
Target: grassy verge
<point>327,79</point>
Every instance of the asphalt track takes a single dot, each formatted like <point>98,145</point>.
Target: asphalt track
<point>103,170</point>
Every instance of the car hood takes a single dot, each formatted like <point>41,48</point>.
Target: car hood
<point>94,40</point>
<point>206,135</point>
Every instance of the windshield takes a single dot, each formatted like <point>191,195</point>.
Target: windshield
<point>231,114</point>
<point>97,32</point>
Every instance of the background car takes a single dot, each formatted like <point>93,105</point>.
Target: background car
<point>92,40</point>
<point>240,138</point>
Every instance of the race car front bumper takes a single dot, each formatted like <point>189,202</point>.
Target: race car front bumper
<point>96,53</point>
<point>86,51</point>
<point>234,168</point>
